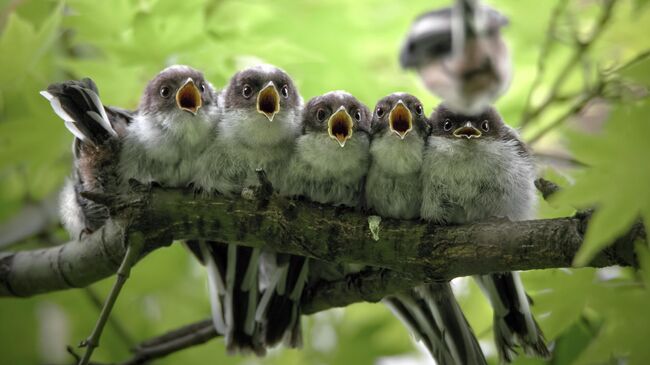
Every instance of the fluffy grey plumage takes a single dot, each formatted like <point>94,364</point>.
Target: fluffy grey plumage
<point>174,124</point>
<point>157,143</point>
<point>250,138</point>
<point>393,182</point>
<point>328,166</point>
<point>259,123</point>
<point>331,156</point>
<point>393,189</point>
<point>469,179</point>
<point>477,168</point>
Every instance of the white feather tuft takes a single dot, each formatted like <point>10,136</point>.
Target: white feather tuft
<point>215,288</point>
<point>102,117</point>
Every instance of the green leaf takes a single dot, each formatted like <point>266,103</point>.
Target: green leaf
<point>618,179</point>
<point>574,341</point>
<point>22,46</point>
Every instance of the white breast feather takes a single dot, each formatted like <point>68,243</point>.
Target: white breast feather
<point>258,143</point>
<point>465,181</point>
<point>164,148</point>
<point>70,211</point>
<point>325,172</point>
<point>393,182</point>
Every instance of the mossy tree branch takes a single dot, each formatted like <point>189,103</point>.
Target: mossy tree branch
<point>417,251</point>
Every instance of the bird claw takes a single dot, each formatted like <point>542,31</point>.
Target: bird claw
<point>265,190</point>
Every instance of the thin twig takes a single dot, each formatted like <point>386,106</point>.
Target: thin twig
<point>580,50</point>
<point>631,62</point>
<point>144,354</point>
<point>171,335</point>
<point>596,91</point>
<point>133,250</point>
<point>574,109</point>
<point>543,56</point>
<point>117,326</point>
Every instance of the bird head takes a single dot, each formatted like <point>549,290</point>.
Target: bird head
<point>338,114</point>
<point>399,115</point>
<point>261,104</point>
<point>483,126</point>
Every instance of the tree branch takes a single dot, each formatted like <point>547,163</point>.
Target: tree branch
<point>407,253</point>
<point>418,251</point>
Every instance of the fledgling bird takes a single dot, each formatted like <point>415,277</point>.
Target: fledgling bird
<point>97,130</point>
<point>175,122</point>
<point>331,156</point>
<point>156,143</point>
<point>328,166</point>
<point>393,189</point>
<point>260,121</point>
<point>477,168</point>
<point>399,130</point>
<point>460,55</point>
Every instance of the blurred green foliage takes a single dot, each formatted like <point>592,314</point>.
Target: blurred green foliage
<point>594,316</point>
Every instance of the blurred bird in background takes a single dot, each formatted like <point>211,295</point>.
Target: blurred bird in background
<point>459,54</point>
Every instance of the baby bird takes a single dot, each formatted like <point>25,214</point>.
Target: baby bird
<point>156,143</point>
<point>328,166</point>
<point>393,189</point>
<point>177,115</point>
<point>261,108</point>
<point>97,130</point>
<point>399,129</point>
<point>331,156</point>
<point>476,168</point>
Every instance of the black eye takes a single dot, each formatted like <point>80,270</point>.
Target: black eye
<point>419,110</point>
<point>285,91</point>
<point>165,91</point>
<point>321,114</point>
<point>202,87</point>
<point>447,125</point>
<point>247,91</point>
<point>379,112</point>
<point>357,115</point>
<point>485,126</point>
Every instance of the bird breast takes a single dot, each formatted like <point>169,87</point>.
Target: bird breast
<point>487,178</point>
<point>395,156</point>
<point>328,159</point>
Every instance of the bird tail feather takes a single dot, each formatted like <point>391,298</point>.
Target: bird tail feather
<point>233,287</point>
<point>279,309</point>
<point>457,333</point>
<point>416,315</point>
<point>434,317</point>
<point>78,104</point>
<point>514,325</point>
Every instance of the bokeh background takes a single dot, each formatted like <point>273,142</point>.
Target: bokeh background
<point>593,316</point>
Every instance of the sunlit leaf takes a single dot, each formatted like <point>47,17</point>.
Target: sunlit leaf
<point>617,159</point>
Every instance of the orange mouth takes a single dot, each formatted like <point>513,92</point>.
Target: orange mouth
<point>468,131</point>
<point>188,97</point>
<point>268,101</point>
<point>400,120</point>
<point>339,126</point>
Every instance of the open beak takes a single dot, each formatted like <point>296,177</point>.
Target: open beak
<point>400,119</point>
<point>188,97</point>
<point>268,101</point>
<point>339,126</point>
<point>468,131</point>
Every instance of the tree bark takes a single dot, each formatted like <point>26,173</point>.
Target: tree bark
<point>413,251</point>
